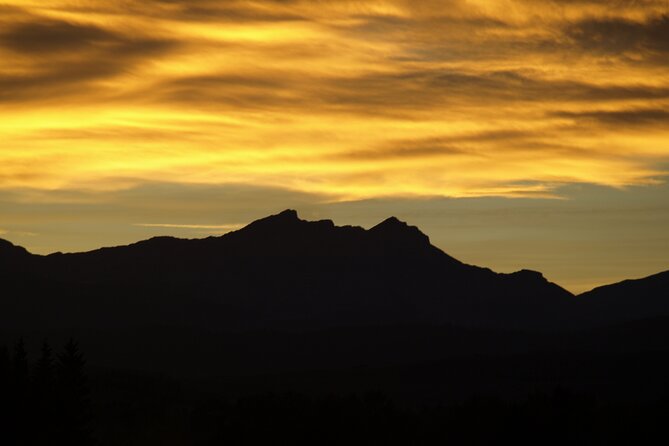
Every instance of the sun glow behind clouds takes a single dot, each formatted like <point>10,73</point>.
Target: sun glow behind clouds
<point>347,99</point>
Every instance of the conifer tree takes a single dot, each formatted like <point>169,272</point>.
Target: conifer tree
<point>5,385</point>
<point>75,412</point>
<point>18,422</point>
<point>43,370</point>
<point>20,369</point>
<point>4,370</point>
<point>44,408</point>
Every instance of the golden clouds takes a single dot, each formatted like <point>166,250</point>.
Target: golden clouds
<point>347,99</point>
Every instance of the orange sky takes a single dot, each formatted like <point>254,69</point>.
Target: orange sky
<point>337,100</point>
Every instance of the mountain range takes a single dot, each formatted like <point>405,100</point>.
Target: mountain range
<point>285,304</point>
<point>285,273</point>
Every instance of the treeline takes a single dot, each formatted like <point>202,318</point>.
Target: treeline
<point>560,417</point>
<point>45,401</point>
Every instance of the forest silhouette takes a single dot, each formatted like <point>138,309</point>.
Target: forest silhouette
<point>46,401</point>
<point>49,400</point>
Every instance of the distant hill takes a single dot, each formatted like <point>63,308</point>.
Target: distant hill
<point>629,299</point>
<point>279,272</point>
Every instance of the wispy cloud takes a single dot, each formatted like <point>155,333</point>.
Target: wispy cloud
<point>18,233</point>
<point>229,227</point>
<point>345,99</point>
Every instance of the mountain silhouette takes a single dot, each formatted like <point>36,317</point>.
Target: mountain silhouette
<point>283,295</point>
<point>282,272</point>
<point>630,299</point>
<point>277,272</point>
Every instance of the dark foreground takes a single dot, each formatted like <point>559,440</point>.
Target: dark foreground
<point>295,332</point>
<point>533,398</point>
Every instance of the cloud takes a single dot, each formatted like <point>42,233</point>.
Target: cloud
<point>444,87</point>
<point>53,36</point>
<point>339,98</point>
<point>390,94</point>
<point>625,117</point>
<point>620,35</point>
<point>228,227</point>
<point>405,149</point>
<point>229,11</point>
<point>206,11</point>
<point>65,58</point>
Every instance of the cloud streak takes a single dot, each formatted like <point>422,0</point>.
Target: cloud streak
<point>349,100</point>
<point>228,227</point>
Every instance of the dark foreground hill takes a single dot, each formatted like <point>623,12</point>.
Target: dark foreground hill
<point>180,335</point>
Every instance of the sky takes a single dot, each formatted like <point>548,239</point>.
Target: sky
<point>515,133</point>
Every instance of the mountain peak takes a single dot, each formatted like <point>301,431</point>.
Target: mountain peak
<point>528,275</point>
<point>288,217</point>
<point>394,228</point>
<point>288,214</point>
<point>393,221</point>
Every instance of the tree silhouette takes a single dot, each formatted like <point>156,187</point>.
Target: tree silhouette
<point>43,372</point>
<point>20,368</point>
<point>5,386</point>
<point>4,365</point>
<point>44,407</point>
<point>19,396</point>
<point>75,414</point>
